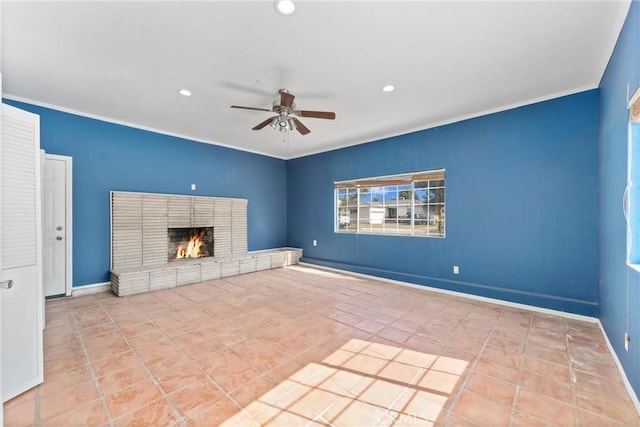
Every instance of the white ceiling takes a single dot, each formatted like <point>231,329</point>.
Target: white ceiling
<point>449,60</point>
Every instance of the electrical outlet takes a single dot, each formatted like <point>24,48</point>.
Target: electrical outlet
<point>456,269</point>
<point>193,187</point>
<point>315,243</point>
<point>627,339</point>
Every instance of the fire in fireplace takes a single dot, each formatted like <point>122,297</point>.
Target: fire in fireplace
<point>190,243</point>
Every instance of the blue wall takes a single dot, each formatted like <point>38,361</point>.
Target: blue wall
<point>521,197</point>
<point>619,286</point>
<point>109,157</point>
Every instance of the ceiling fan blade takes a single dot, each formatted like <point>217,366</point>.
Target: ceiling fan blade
<point>300,127</point>
<point>249,108</point>
<point>286,99</point>
<point>263,124</point>
<point>317,114</point>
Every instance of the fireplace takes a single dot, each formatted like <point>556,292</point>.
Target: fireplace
<point>185,243</point>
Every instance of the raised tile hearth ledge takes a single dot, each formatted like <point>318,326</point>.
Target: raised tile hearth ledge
<point>129,281</point>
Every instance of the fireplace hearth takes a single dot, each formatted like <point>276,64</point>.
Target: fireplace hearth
<point>185,243</point>
<point>142,224</point>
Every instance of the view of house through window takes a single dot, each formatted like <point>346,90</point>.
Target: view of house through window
<point>410,204</point>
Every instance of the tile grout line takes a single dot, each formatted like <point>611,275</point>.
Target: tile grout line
<point>225,393</point>
<point>572,382</point>
<point>179,417</point>
<point>516,394</point>
<point>410,385</point>
<point>471,369</point>
<point>133,350</point>
<point>94,376</point>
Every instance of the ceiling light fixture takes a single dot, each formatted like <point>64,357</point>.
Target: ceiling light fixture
<point>284,126</point>
<point>283,122</point>
<point>285,7</point>
<point>388,88</point>
<point>184,92</point>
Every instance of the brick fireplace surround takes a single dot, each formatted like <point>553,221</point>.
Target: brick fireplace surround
<point>139,239</point>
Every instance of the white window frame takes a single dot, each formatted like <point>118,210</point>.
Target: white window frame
<point>632,213</point>
<point>343,222</point>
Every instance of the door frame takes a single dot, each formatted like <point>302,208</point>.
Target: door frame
<point>68,160</point>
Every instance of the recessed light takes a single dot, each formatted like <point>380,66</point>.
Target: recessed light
<point>388,88</point>
<point>184,92</point>
<point>285,7</point>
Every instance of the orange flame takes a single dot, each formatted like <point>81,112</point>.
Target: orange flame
<point>191,249</point>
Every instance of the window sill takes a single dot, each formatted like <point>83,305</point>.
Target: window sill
<point>635,267</point>
<point>395,235</point>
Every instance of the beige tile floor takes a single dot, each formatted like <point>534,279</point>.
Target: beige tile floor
<point>301,346</point>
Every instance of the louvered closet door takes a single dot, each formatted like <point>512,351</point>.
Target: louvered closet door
<point>22,303</point>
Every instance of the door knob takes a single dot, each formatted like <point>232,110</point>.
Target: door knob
<point>58,237</point>
<point>7,284</point>
<point>59,228</point>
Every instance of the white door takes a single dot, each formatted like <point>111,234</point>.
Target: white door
<point>56,223</point>
<point>22,297</point>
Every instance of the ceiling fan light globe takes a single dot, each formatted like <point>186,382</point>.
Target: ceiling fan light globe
<point>285,7</point>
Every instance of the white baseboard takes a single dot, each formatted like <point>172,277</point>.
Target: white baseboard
<point>95,288</point>
<point>461,294</point>
<point>627,384</point>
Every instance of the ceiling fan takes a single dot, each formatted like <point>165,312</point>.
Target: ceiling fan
<point>287,114</point>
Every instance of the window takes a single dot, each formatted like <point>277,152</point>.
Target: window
<point>409,204</point>
<point>632,193</point>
